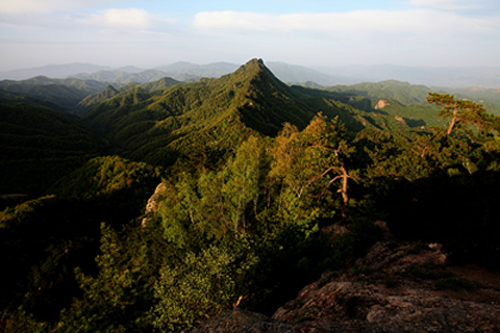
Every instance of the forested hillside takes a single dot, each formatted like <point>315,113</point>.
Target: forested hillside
<point>39,145</point>
<point>208,116</point>
<point>168,203</point>
<point>64,93</point>
<point>119,77</point>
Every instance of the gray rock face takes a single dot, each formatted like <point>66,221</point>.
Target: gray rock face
<point>404,287</point>
<point>396,287</point>
<point>241,321</point>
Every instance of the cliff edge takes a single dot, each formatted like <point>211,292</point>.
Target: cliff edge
<point>396,287</point>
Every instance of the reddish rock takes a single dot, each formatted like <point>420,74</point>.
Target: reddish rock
<point>397,287</point>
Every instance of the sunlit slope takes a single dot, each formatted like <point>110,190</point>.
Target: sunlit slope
<point>158,122</point>
<point>212,114</point>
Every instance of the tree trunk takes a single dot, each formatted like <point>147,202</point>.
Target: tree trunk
<point>453,122</point>
<point>343,191</point>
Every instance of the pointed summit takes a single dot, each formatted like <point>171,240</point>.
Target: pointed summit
<point>255,65</point>
<point>268,102</point>
<point>256,62</point>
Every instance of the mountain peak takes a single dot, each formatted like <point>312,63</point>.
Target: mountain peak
<point>256,69</point>
<point>257,63</point>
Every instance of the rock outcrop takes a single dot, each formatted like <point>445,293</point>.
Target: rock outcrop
<point>154,202</point>
<point>402,286</point>
<point>401,120</point>
<point>381,104</point>
<point>396,287</point>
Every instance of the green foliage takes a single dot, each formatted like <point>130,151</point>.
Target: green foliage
<point>13,98</point>
<point>489,98</point>
<point>39,145</point>
<point>314,159</point>
<point>148,123</point>
<point>441,186</point>
<point>254,197</point>
<point>201,286</point>
<point>95,99</point>
<point>44,239</point>
<point>216,206</point>
<point>403,92</point>
<point>243,178</point>
<point>22,321</point>
<point>104,176</point>
<point>118,299</point>
<point>65,93</point>
<point>47,238</point>
<point>463,113</point>
<point>119,78</point>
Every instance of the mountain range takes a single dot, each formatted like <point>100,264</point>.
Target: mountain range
<point>453,77</point>
<point>163,121</point>
<point>157,121</point>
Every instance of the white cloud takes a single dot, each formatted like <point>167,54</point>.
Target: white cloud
<point>235,20</point>
<point>43,6</point>
<point>128,18</point>
<point>366,22</point>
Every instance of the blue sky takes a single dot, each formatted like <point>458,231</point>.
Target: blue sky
<point>305,32</point>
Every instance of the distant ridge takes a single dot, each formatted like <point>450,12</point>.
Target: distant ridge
<point>452,77</point>
<point>52,71</point>
<point>300,74</point>
<point>121,77</point>
<point>188,69</point>
<point>63,93</point>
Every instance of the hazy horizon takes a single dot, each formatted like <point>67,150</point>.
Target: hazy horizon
<point>317,68</point>
<point>311,33</point>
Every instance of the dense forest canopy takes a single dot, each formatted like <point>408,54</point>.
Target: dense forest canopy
<point>251,178</point>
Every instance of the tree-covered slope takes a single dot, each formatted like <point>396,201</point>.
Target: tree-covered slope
<point>118,77</point>
<point>409,100</point>
<point>157,122</point>
<point>47,238</point>
<point>390,104</point>
<point>403,92</point>
<point>95,99</point>
<point>39,145</point>
<point>209,115</point>
<point>66,93</point>
<point>12,98</point>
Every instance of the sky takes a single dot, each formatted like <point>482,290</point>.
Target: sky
<point>327,33</point>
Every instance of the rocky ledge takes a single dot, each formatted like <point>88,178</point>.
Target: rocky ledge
<point>396,287</point>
